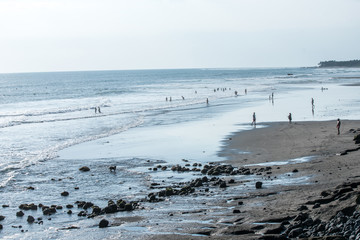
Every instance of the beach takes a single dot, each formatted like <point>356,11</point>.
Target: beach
<point>184,168</point>
<point>263,210</point>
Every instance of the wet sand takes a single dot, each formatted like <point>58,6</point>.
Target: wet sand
<point>314,150</point>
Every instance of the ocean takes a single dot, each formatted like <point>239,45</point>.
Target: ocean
<point>53,123</point>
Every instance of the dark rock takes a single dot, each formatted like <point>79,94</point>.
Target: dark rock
<point>231,181</point>
<point>295,232</point>
<point>96,210</point>
<point>236,211</point>
<point>295,170</point>
<point>49,211</point>
<point>69,212</point>
<point>1,226</point>
<point>65,194</point>
<point>240,203</point>
<point>316,205</point>
<point>103,223</point>
<point>30,219</point>
<point>111,208</point>
<point>5,206</point>
<point>88,205</point>
<point>84,169</point>
<point>20,214</point>
<point>69,206</point>
<point>128,207</point>
<point>223,184</point>
<point>2,217</point>
<point>82,214</point>
<point>303,208</point>
<point>242,232</point>
<point>258,185</point>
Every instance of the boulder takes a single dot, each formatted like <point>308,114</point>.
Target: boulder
<point>258,185</point>
<point>2,217</point>
<point>103,223</point>
<point>65,194</point>
<point>30,219</point>
<point>20,214</point>
<point>84,169</point>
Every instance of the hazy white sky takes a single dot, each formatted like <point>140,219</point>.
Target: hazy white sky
<point>61,35</point>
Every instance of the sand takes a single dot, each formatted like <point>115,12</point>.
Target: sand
<point>324,170</point>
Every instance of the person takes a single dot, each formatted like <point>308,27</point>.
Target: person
<point>254,119</point>
<point>290,118</point>
<point>207,100</point>
<point>338,125</point>
<point>312,102</point>
<point>95,110</point>
<point>99,110</point>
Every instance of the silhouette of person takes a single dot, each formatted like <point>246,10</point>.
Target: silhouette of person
<point>99,110</point>
<point>338,123</point>
<point>290,118</point>
<point>254,119</point>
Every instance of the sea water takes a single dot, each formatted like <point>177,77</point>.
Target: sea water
<point>50,125</point>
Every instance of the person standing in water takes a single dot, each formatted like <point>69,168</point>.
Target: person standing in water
<point>338,123</point>
<point>254,119</point>
<point>290,118</point>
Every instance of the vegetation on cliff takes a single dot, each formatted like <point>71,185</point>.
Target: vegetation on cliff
<point>329,64</point>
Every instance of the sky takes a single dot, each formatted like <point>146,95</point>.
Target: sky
<point>75,35</point>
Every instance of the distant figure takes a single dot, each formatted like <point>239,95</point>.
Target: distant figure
<point>166,99</point>
<point>95,110</point>
<point>254,119</point>
<point>99,110</point>
<point>195,92</point>
<point>236,93</point>
<point>183,98</point>
<point>245,91</point>
<point>170,99</point>
<point>272,96</point>
<point>312,103</point>
<point>112,168</point>
<point>290,118</point>
<point>338,123</point>
<point>207,100</point>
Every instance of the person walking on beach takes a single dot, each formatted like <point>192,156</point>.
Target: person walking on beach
<point>290,118</point>
<point>254,119</point>
<point>99,110</point>
<point>338,123</point>
<point>312,103</point>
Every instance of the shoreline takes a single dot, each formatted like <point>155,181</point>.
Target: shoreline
<point>265,212</point>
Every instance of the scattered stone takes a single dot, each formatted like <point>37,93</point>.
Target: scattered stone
<point>103,223</point>
<point>258,185</point>
<point>84,169</point>
<point>295,170</point>
<point>5,206</point>
<point>30,219</point>
<point>20,214</point>
<point>64,194</point>
<point>236,211</point>
<point>2,217</point>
